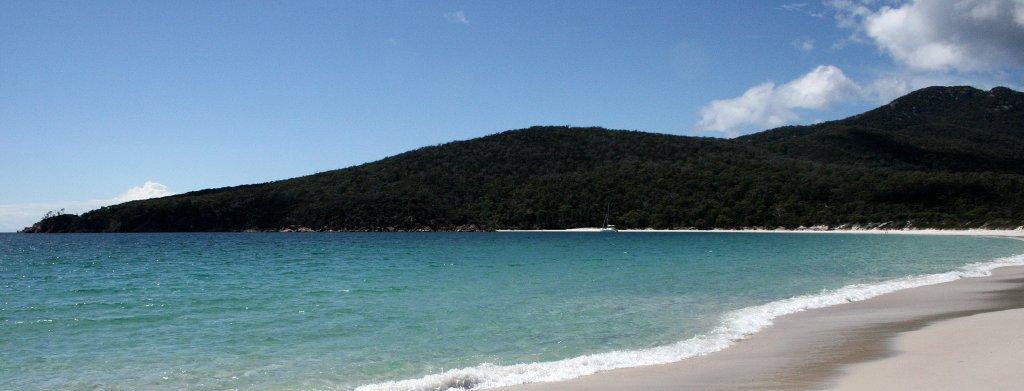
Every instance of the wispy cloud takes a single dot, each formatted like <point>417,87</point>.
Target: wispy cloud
<point>456,17</point>
<point>803,8</point>
<point>804,44</point>
<point>793,6</point>
<point>17,216</point>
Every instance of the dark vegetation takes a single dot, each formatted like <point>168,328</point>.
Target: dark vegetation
<point>942,157</point>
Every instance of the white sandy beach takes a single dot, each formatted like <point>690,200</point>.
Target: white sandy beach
<point>963,334</point>
<point>983,351</point>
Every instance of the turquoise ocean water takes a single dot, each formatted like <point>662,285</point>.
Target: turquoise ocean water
<point>343,310</point>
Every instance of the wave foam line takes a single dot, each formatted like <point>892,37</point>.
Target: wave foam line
<point>735,326</point>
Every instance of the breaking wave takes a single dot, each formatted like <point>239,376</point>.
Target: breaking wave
<point>735,326</point>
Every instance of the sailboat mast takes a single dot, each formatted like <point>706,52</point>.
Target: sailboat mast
<point>606,208</point>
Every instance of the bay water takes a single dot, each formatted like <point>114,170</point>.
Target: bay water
<point>422,310</point>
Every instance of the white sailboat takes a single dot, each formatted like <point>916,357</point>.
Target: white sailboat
<point>608,227</point>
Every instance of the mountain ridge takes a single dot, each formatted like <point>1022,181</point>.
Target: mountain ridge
<point>939,157</point>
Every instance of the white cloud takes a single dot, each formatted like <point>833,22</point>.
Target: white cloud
<point>457,17</point>
<point>886,89</point>
<point>148,190</point>
<point>17,216</point>
<point>941,35</point>
<point>768,105</point>
<point>932,42</point>
<point>804,44</point>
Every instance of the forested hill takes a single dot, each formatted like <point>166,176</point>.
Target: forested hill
<point>946,157</point>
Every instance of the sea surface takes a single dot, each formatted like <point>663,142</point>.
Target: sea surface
<point>422,310</point>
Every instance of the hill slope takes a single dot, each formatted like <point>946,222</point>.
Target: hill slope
<point>938,157</point>
<point>936,128</point>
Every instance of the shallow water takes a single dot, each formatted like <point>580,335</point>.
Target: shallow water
<point>340,310</point>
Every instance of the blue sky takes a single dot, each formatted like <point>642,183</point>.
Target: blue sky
<point>99,98</point>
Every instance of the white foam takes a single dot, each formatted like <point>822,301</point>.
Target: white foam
<point>735,326</point>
